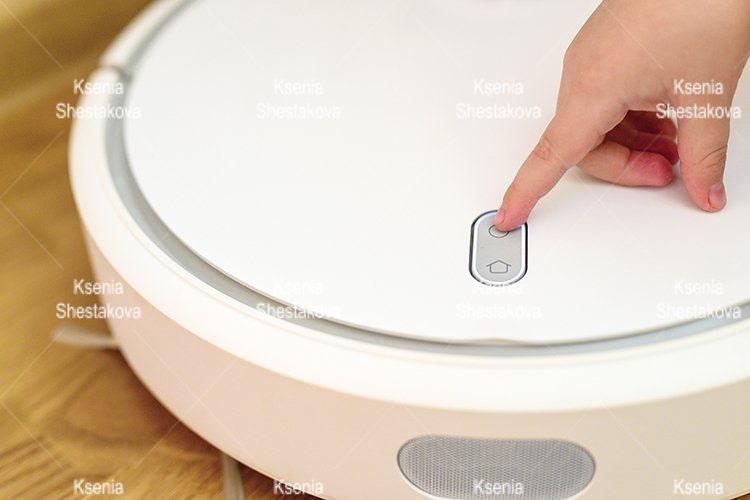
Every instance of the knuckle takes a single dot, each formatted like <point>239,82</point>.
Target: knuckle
<point>543,150</point>
<point>546,155</point>
<point>584,75</point>
<point>714,160</point>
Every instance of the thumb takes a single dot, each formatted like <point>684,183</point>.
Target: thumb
<point>702,147</point>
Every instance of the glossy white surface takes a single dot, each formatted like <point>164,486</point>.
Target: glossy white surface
<point>367,217</point>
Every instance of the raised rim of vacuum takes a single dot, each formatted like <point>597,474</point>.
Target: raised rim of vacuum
<point>123,57</point>
<point>163,237</point>
<point>456,377</point>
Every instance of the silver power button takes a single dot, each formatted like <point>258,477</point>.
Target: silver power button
<point>497,258</point>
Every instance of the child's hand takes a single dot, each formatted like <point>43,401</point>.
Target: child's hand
<point>631,59</point>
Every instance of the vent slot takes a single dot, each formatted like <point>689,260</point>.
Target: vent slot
<point>498,469</point>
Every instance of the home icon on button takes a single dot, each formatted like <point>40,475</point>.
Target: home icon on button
<point>498,267</point>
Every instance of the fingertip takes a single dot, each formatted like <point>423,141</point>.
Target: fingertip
<point>616,163</point>
<point>647,169</point>
<point>709,200</point>
<point>717,197</point>
<point>659,173</point>
<point>703,150</point>
<point>500,217</point>
<point>507,219</point>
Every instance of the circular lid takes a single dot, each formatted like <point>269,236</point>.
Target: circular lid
<point>334,155</point>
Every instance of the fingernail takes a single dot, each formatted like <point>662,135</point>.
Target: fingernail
<point>717,196</point>
<point>500,216</point>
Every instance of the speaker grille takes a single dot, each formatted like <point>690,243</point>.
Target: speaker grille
<point>502,469</point>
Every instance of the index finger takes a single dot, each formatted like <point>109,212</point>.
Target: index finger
<point>577,128</point>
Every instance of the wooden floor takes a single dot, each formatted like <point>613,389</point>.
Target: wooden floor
<point>67,413</point>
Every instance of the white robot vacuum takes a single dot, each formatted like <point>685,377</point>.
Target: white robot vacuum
<point>297,200</point>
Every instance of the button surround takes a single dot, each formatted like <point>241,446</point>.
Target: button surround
<point>497,260</point>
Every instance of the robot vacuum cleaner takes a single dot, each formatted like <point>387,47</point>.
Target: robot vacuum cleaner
<point>297,197</point>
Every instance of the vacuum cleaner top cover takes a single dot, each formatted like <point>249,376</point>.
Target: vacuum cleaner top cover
<point>333,155</point>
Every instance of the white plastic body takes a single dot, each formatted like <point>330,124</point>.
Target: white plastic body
<point>371,213</point>
<point>302,406</point>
